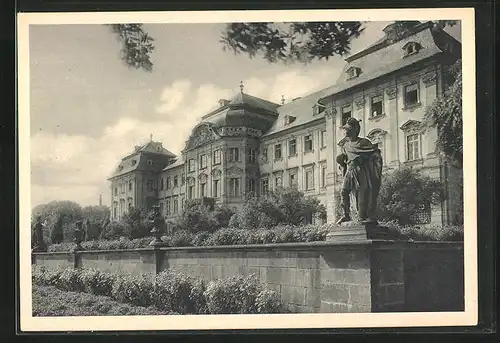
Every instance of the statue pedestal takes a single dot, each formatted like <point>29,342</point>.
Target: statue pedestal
<point>355,231</point>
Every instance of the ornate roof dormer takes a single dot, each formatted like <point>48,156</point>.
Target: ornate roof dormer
<point>411,48</point>
<point>352,72</point>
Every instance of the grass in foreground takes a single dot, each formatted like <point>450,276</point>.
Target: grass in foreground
<point>49,301</point>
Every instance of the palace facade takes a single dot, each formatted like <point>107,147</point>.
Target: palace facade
<point>249,145</point>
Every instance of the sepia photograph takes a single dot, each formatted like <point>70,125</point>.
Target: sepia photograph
<point>252,169</point>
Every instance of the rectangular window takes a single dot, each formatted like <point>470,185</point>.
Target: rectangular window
<point>252,155</point>
<point>277,152</point>
<point>292,147</point>
<point>413,147</point>
<point>251,186</point>
<point>176,205</point>
<point>116,190</point>
<point>323,139</point>
<point>234,186</point>
<point>264,155</point>
<point>309,179</point>
<point>411,94</point>
<point>161,208</point>
<point>377,105</point>
<point>191,165</point>
<point>130,185</point>
<point>323,176</point>
<point>203,161</point>
<point>265,185</point>
<point>278,180</point>
<point>292,178</point>
<point>150,185</point>
<point>176,181</point>
<point>215,190</point>
<point>217,157</point>
<point>346,114</point>
<point>308,143</point>
<point>167,207</point>
<point>169,185</point>
<point>183,179</point>
<point>203,187</point>
<point>162,184</point>
<point>190,192</point>
<point>234,154</point>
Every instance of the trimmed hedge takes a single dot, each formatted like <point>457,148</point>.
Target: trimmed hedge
<point>170,291</point>
<point>279,234</point>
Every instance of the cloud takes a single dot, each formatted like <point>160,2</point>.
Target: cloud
<point>75,167</point>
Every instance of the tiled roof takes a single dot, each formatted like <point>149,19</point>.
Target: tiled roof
<point>155,148</point>
<point>388,59</point>
<point>127,165</point>
<point>243,98</point>
<point>179,162</point>
<point>301,109</point>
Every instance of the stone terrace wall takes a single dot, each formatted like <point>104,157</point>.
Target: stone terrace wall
<point>363,276</point>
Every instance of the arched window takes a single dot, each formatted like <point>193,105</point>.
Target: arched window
<point>377,136</point>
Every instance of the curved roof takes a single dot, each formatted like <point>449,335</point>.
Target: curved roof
<point>244,110</point>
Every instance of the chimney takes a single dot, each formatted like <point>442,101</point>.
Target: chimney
<point>223,102</point>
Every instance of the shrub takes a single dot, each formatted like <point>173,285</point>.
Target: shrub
<point>228,236</point>
<point>97,282</point>
<point>114,230</point>
<point>239,294</point>
<point>178,292</point>
<point>268,301</point>
<point>405,192</point>
<point>69,280</point>
<point>200,238</point>
<point>181,239</point>
<point>49,301</point>
<point>133,289</point>
<point>282,206</point>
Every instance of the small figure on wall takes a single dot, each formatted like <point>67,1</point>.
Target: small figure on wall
<point>38,244</point>
<point>361,164</point>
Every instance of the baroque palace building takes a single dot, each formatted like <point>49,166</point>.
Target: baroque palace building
<point>250,145</point>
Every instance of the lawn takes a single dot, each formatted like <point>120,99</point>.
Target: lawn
<point>50,301</point>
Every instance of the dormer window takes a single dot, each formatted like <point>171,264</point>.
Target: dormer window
<point>289,119</point>
<point>353,72</point>
<point>411,48</point>
<point>150,162</point>
<point>318,109</point>
<point>134,162</point>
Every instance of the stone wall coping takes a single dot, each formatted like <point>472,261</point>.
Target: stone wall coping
<point>306,246</point>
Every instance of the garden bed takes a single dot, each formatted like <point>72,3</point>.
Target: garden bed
<point>50,301</point>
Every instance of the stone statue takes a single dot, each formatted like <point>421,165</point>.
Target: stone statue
<point>39,244</point>
<point>159,226</point>
<point>361,164</point>
<point>79,235</point>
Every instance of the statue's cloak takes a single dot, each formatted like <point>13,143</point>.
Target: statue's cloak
<point>364,165</point>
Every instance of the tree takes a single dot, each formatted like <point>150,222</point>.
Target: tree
<point>137,45</point>
<point>95,215</point>
<point>275,42</point>
<point>136,223</point>
<point>68,211</point>
<point>445,114</point>
<point>281,206</point>
<point>56,233</point>
<point>405,193</point>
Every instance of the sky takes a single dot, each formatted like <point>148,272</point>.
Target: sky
<point>88,109</point>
